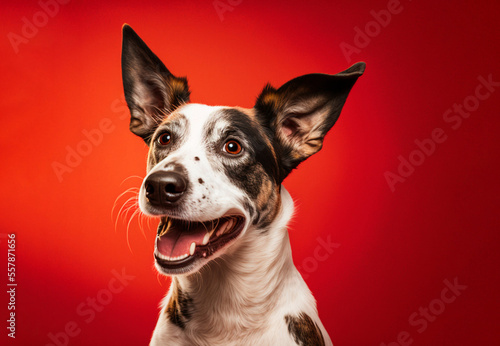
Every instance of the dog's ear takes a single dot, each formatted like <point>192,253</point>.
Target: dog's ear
<point>302,111</point>
<point>151,91</point>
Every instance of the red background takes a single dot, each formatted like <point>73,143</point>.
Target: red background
<point>396,248</point>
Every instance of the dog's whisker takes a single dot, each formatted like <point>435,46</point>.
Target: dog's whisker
<point>166,227</point>
<point>132,177</point>
<point>132,202</point>
<point>141,224</point>
<point>161,278</point>
<point>136,212</point>
<point>133,190</point>
<point>129,209</point>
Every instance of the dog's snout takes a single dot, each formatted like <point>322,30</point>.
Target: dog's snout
<point>165,188</point>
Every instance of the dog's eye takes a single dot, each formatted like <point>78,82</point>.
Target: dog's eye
<point>164,138</point>
<point>232,147</point>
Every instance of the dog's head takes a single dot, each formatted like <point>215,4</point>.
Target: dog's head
<point>214,173</point>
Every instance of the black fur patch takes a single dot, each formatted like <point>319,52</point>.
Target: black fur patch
<point>146,78</point>
<point>179,308</point>
<point>273,107</point>
<point>248,173</point>
<point>304,330</point>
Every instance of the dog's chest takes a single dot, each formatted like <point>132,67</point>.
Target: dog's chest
<point>272,332</point>
<point>286,321</point>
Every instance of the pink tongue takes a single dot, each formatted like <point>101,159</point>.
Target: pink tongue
<point>177,242</point>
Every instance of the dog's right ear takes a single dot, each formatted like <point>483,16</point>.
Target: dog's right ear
<point>151,91</point>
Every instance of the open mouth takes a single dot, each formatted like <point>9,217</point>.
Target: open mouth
<point>180,243</point>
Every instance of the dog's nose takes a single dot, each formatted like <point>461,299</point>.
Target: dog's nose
<point>165,188</point>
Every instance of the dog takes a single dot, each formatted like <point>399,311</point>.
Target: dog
<point>214,181</point>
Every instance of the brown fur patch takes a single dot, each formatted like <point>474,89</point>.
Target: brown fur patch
<point>179,307</point>
<point>304,330</point>
<point>268,205</point>
<point>272,98</point>
<point>265,193</point>
<point>277,203</point>
<point>248,111</point>
<point>178,93</point>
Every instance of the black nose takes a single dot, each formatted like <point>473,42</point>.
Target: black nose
<point>165,188</point>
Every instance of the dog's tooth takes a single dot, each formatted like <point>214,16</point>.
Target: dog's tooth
<point>162,232</point>
<point>162,256</point>
<point>206,238</point>
<point>221,229</point>
<point>166,227</point>
<point>181,257</point>
<point>168,258</point>
<point>191,248</point>
<point>212,231</point>
<point>229,225</point>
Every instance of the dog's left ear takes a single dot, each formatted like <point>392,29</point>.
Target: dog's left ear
<point>151,91</point>
<point>302,111</point>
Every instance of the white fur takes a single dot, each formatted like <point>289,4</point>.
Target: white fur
<point>242,297</point>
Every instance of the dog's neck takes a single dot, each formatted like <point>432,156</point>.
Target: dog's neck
<point>235,291</point>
